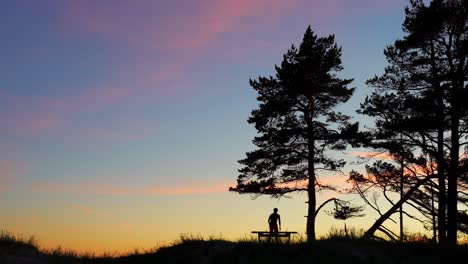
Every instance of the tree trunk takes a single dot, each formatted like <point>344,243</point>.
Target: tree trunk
<point>434,223</point>
<point>452,181</point>
<point>310,229</point>
<point>441,167</point>
<point>402,174</point>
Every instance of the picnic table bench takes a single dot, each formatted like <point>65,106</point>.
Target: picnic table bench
<point>276,235</point>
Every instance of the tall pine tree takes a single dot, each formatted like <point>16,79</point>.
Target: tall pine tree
<point>297,125</point>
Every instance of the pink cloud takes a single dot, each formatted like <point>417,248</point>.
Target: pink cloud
<point>117,135</point>
<point>47,114</point>
<point>31,115</point>
<point>336,180</point>
<point>151,26</point>
<point>10,169</point>
<point>372,155</point>
<point>181,24</point>
<point>124,22</point>
<point>29,121</point>
<point>9,172</point>
<point>193,189</point>
<point>155,27</point>
<point>5,188</point>
<point>121,190</point>
<point>84,209</point>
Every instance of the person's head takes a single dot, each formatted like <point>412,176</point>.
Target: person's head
<point>275,210</point>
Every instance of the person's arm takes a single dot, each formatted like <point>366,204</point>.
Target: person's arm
<point>279,221</point>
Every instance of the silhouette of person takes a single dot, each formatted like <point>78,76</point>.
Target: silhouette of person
<point>274,220</point>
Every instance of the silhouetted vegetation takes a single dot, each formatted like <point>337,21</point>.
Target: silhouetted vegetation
<point>337,247</point>
<point>421,121</point>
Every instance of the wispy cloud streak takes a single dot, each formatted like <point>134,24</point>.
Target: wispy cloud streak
<point>9,172</point>
<point>84,209</point>
<point>184,31</point>
<point>125,190</point>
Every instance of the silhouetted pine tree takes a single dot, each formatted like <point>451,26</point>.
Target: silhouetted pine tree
<point>344,210</point>
<point>297,125</point>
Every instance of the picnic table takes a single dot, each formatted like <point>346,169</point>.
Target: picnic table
<point>276,235</point>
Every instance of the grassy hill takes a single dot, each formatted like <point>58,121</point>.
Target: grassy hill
<point>197,250</point>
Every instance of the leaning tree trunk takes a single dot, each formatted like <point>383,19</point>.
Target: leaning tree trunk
<point>370,232</point>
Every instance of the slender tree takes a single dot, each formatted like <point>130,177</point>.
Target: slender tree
<point>344,210</point>
<point>297,125</point>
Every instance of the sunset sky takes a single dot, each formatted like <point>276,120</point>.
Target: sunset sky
<point>122,121</point>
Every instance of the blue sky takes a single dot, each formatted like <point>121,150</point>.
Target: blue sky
<point>126,119</point>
